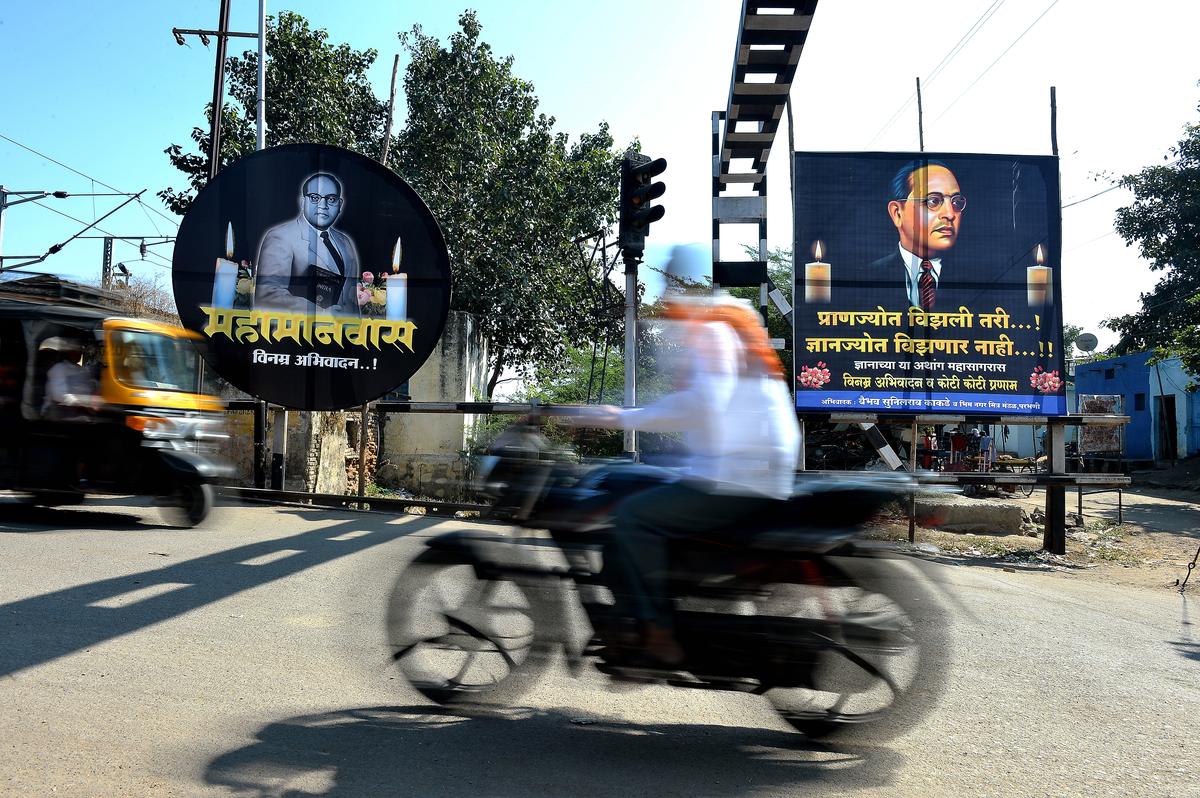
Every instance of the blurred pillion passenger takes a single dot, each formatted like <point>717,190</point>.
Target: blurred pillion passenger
<point>742,441</point>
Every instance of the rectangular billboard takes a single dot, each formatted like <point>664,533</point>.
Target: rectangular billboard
<point>928,283</point>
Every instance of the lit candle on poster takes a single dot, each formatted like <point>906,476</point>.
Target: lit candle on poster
<point>397,287</point>
<point>225,278</point>
<point>1039,281</point>
<point>816,278</point>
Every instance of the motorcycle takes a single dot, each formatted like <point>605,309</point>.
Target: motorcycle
<point>834,635</point>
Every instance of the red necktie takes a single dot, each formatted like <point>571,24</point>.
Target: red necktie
<point>926,286</point>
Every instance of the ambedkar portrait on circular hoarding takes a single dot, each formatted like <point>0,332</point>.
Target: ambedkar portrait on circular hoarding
<point>317,277</point>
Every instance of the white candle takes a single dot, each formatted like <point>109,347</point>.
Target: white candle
<point>1039,282</point>
<point>225,276</point>
<point>397,297</point>
<point>816,278</point>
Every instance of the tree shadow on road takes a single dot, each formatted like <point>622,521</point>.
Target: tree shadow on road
<point>41,628</point>
<point>426,751</point>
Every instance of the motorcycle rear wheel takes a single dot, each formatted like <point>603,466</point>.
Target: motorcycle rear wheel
<point>458,638</point>
<point>883,668</point>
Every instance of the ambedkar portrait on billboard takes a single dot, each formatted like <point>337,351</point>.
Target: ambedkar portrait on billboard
<point>919,274</point>
<point>307,264</point>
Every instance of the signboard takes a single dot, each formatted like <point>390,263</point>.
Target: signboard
<point>928,283</point>
<point>318,278</point>
<point>1097,438</point>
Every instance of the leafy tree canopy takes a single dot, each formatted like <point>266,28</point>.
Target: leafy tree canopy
<point>316,92</point>
<point>511,194</point>
<point>1164,223</point>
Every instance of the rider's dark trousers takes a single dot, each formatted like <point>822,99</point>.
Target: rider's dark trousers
<point>636,557</point>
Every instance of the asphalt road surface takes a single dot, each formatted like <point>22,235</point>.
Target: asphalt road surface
<point>246,658</point>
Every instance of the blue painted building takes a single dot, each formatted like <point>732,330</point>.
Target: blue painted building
<point>1164,417</point>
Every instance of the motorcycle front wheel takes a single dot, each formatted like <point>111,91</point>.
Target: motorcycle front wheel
<point>459,638</point>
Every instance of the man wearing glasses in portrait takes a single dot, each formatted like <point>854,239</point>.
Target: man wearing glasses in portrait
<point>306,265</point>
<point>926,206</point>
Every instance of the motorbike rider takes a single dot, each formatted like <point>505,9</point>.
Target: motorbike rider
<point>742,439</point>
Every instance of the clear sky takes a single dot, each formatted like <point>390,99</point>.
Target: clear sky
<point>104,88</point>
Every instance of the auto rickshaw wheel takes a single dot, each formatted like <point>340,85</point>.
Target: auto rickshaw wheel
<point>190,503</point>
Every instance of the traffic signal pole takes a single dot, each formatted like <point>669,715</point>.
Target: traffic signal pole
<point>637,213</point>
<point>631,300</point>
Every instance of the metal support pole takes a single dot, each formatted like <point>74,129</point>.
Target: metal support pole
<point>1053,122</point>
<point>362,454</point>
<point>1080,503</point>
<point>912,496</point>
<point>279,450</point>
<point>106,267</point>
<point>803,448</point>
<point>260,444</point>
<point>1120,509</point>
<point>214,145</point>
<point>763,256</point>
<point>261,142</point>
<point>920,117</point>
<point>3,205</point>
<point>387,131</point>
<point>912,517</point>
<point>631,291</point>
<point>1054,539</point>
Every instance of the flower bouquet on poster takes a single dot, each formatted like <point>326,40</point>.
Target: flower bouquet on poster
<point>813,376</point>
<point>1044,381</point>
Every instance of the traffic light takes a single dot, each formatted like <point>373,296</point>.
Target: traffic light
<point>637,192</point>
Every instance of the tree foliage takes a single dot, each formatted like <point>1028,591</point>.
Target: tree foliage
<point>317,92</point>
<point>1164,223</point>
<point>511,195</point>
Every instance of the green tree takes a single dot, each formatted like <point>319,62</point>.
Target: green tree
<point>317,92</point>
<point>512,196</point>
<point>1164,223</point>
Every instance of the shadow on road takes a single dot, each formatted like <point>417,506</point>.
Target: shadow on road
<point>425,751</point>
<point>53,518</point>
<point>41,628</point>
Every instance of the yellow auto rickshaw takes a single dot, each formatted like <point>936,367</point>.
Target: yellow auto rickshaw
<point>96,403</point>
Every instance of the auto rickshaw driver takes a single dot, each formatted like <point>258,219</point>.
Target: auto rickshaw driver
<point>70,387</point>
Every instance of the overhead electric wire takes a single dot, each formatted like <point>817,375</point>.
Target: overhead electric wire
<point>81,174</point>
<point>988,13</point>
<point>996,60</point>
<point>1092,197</point>
<point>107,233</point>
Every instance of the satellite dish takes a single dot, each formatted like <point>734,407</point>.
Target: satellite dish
<point>1086,342</point>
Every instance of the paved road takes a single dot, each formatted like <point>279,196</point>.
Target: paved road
<point>245,658</point>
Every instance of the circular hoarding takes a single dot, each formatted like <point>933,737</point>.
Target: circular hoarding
<point>317,277</point>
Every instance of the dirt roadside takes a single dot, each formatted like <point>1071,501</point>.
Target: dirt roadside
<point>1151,547</point>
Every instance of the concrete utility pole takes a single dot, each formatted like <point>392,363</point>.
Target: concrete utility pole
<point>214,150</point>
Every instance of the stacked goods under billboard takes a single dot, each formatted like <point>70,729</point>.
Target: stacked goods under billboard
<point>932,284</point>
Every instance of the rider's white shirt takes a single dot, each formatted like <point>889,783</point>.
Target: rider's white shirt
<point>740,429</point>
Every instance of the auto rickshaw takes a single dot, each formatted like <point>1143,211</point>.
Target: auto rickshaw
<point>142,425</point>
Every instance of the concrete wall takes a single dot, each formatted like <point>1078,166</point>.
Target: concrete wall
<point>312,460</point>
<point>422,453</point>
